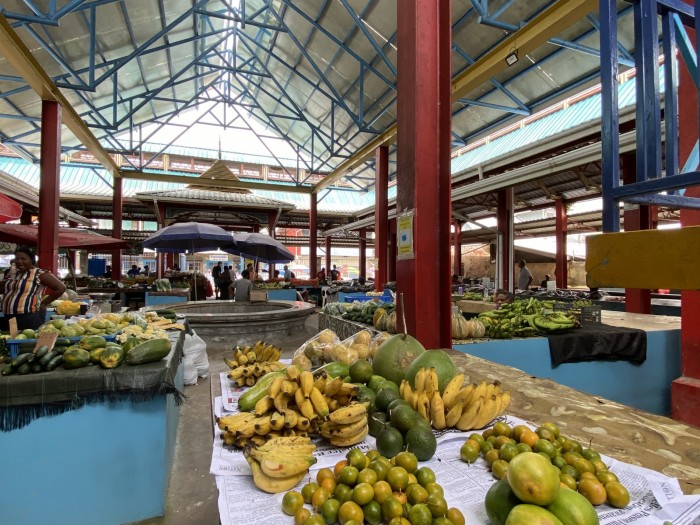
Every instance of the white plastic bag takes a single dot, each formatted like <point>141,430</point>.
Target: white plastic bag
<point>197,349</point>
<point>190,374</point>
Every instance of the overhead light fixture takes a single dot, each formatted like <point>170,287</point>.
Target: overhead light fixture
<point>512,57</point>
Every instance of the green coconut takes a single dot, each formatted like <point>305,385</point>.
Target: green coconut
<point>395,355</point>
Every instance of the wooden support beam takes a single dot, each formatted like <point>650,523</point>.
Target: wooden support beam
<point>645,259</point>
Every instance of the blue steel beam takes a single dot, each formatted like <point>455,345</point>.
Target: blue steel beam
<point>499,107</point>
<point>610,121</point>
<point>670,94</point>
<point>686,48</point>
<point>652,186</point>
<point>671,201</point>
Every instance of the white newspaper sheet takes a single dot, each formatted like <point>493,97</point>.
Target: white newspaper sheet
<point>655,498</point>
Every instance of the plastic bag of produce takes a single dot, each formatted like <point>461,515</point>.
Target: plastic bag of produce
<point>317,350</point>
<point>357,347</point>
<point>195,348</point>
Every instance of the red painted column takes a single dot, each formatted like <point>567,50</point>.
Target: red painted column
<point>457,245</point>
<point>117,216</point>
<point>49,188</point>
<point>685,391</point>
<point>313,235</point>
<point>381,217</point>
<point>328,254</point>
<point>636,217</point>
<point>363,253</point>
<point>562,268</point>
<point>504,243</point>
<point>391,253</point>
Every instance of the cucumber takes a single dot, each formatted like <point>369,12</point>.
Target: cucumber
<point>36,368</point>
<point>24,369</point>
<point>7,369</point>
<point>41,351</point>
<point>44,361</point>
<point>63,341</point>
<point>55,363</point>
<point>22,359</point>
<point>166,311</point>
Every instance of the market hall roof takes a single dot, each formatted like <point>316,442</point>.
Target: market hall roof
<point>319,74</point>
<point>197,196</point>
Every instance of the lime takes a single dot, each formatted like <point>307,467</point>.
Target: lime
<point>468,453</point>
<point>315,519</point>
<point>407,460</point>
<point>367,475</point>
<point>374,383</point>
<point>420,515</point>
<point>362,494</point>
<point>395,403</point>
<point>350,511</point>
<point>425,475</point>
<point>292,502</point>
<point>391,508</point>
<point>437,505</point>
<point>416,494</point>
<point>403,417</point>
<point>421,441</point>
<point>390,442</point>
<point>301,516</point>
<point>382,491</point>
<point>342,493</point>
<point>348,476</point>
<point>380,468</point>
<point>376,423</point>
<point>373,513</point>
<point>397,477</point>
<point>329,511</point>
<point>361,371</point>
<point>356,458</point>
<point>455,516</point>
<point>365,395</point>
<point>384,397</point>
<point>308,490</point>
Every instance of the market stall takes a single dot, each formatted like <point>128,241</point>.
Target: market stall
<point>76,433</point>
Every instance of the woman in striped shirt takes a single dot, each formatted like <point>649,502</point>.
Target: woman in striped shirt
<point>25,297</point>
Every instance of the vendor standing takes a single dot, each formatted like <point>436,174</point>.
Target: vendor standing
<point>25,297</point>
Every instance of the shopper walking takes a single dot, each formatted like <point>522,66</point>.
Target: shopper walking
<point>224,283</point>
<point>24,293</point>
<point>524,277</point>
<point>215,274</point>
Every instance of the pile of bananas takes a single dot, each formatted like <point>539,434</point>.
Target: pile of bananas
<point>296,404</point>
<point>524,319</point>
<point>280,463</point>
<point>346,426</point>
<point>462,407</point>
<point>555,322</point>
<point>252,362</point>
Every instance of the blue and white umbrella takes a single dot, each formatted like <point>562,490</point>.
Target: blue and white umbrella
<point>189,236</point>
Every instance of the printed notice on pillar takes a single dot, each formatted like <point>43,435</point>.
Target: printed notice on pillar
<point>404,235</point>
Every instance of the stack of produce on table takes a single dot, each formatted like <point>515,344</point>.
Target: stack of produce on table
<point>524,318</point>
<point>163,285</point>
<point>371,488</point>
<point>68,308</point>
<point>250,363</point>
<point>384,318</point>
<point>380,315</point>
<point>292,402</point>
<point>105,324</point>
<point>327,348</point>
<point>542,474</point>
<point>473,296</point>
<point>467,329</point>
<point>280,463</point>
<point>269,286</point>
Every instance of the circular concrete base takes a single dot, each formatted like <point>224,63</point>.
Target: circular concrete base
<point>234,323</point>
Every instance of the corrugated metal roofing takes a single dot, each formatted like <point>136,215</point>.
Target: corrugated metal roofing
<point>213,196</point>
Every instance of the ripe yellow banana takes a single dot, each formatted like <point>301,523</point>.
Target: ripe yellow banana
<point>277,466</point>
<point>303,423</point>
<point>466,421</point>
<point>306,380</point>
<point>229,439</point>
<point>269,484</point>
<point>245,430</point>
<point>252,357</point>
<point>275,387</point>
<point>350,440</point>
<point>405,390</point>
<point>492,389</point>
<point>423,406</point>
<point>437,411</point>
<point>320,383</point>
<point>282,451</point>
<point>290,418</point>
<point>234,419</point>
<point>449,396</point>
<point>333,386</point>
<point>276,421</point>
<point>419,381</point>
<point>306,408</point>
<point>348,414</point>
<point>487,412</point>
<point>289,387</point>
<point>347,389</point>
<point>479,391</point>
<point>264,405</point>
<point>293,373</point>
<point>263,426</point>
<point>431,382</point>
<point>453,415</point>
<point>350,429</point>
<point>319,403</point>
<point>275,442</point>
<point>281,401</point>
<point>231,363</point>
<point>505,401</point>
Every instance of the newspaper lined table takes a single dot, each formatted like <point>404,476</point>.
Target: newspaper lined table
<point>655,496</point>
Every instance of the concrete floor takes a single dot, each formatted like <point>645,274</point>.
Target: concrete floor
<point>192,494</point>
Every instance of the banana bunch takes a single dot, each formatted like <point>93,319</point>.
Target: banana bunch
<point>252,362</point>
<point>280,463</point>
<point>554,322</point>
<point>462,407</point>
<point>346,426</point>
<point>246,428</point>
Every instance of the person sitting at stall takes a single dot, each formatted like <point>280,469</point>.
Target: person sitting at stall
<point>24,293</point>
<point>242,287</point>
<point>335,274</point>
<point>543,284</point>
<point>277,274</point>
<point>224,283</point>
<point>108,272</point>
<point>252,275</point>
<point>146,271</point>
<point>287,273</point>
<point>455,279</point>
<point>322,274</point>
<point>134,271</point>
<point>502,297</point>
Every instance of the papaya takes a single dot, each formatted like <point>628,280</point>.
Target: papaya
<point>130,343</point>
<point>438,359</point>
<point>112,357</point>
<point>246,402</point>
<point>75,358</point>
<point>90,342</point>
<point>148,351</point>
<point>395,355</point>
<point>95,354</point>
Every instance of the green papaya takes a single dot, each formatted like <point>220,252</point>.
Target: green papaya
<point>95,354</point>
<point>335,369</point>
<point>112,357</point>
<point>90,342</point>
<point>247,401</point>
<point>75,358</point>
<point>148,351</point>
